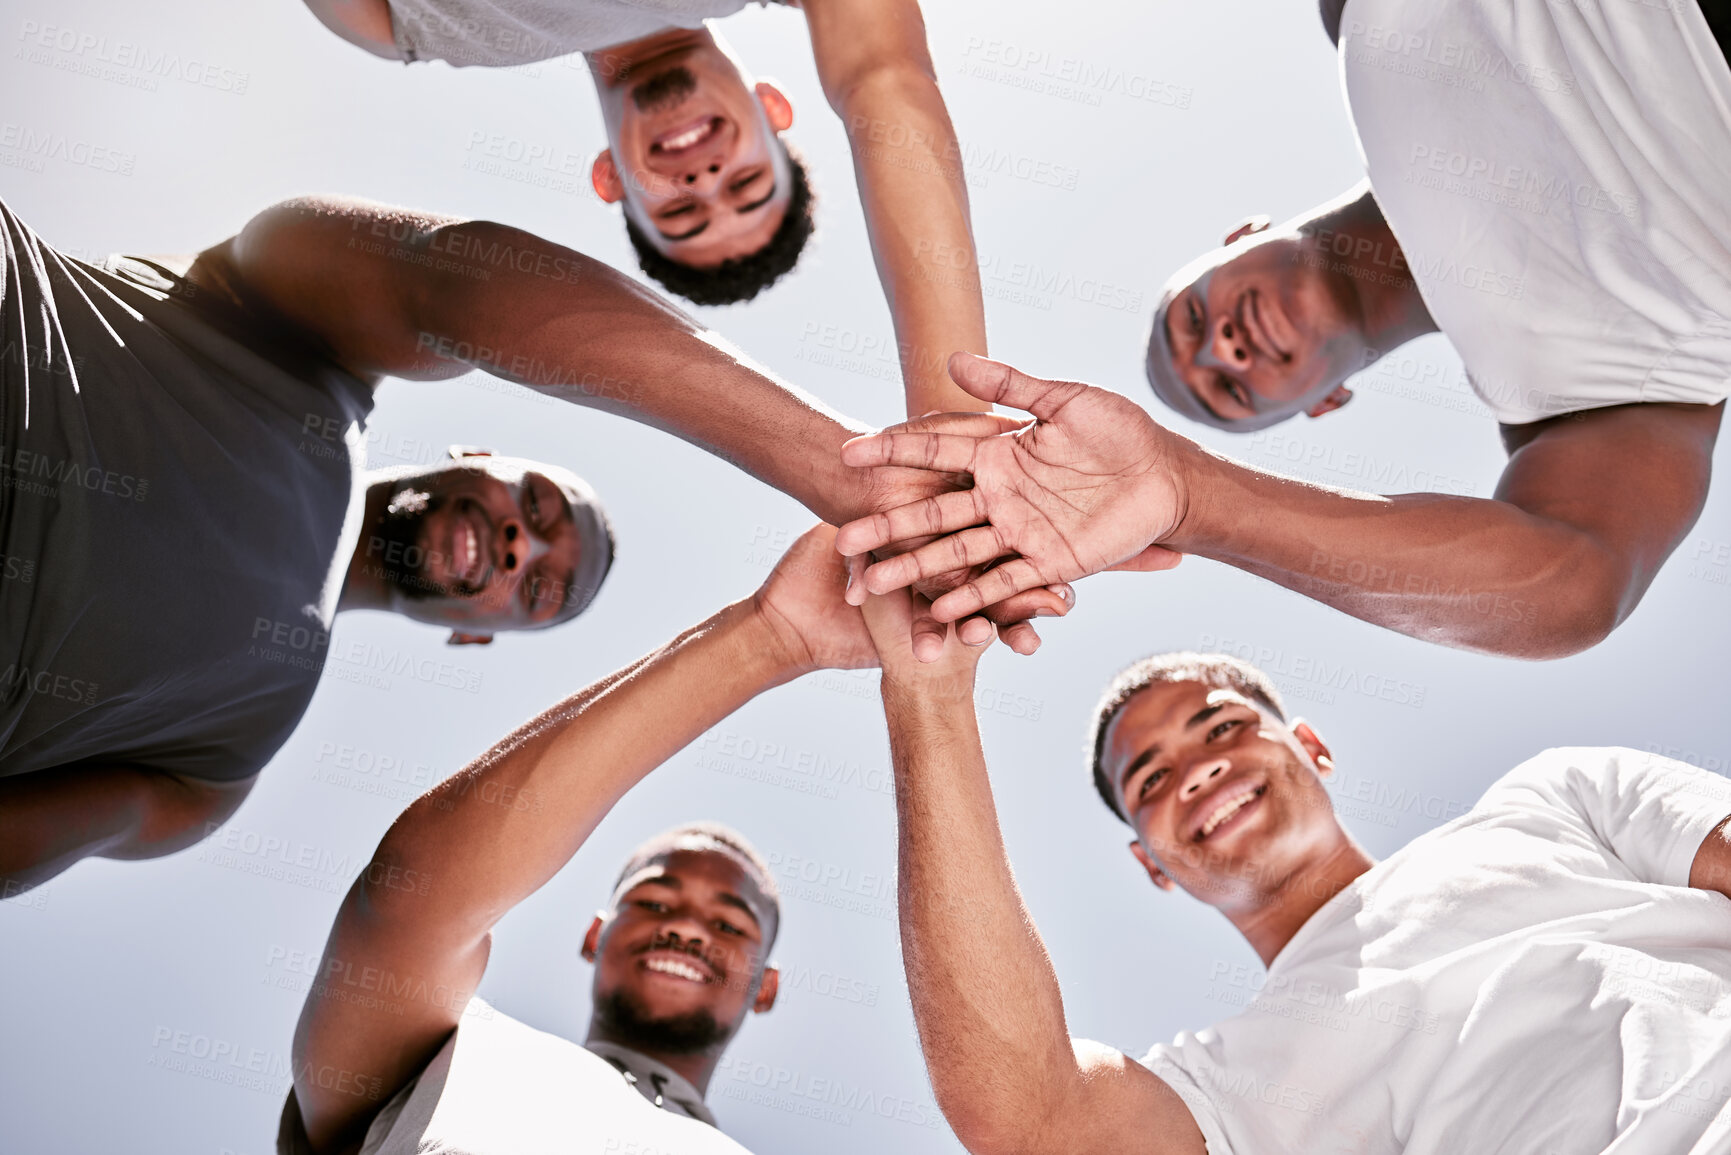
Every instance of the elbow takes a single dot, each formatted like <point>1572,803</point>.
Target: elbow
<point>1589,595</point>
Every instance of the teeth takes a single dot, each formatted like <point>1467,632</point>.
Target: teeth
<point>687,138</point>
<point>676,968</point>
<point>1226,810</point>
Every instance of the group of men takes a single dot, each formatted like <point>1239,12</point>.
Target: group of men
<point>1488,976</point>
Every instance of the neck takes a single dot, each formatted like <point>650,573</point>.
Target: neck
<point>364,585</point>
<point>1270,921</point>
<point>1370,270</point>
<point>695,1067</point>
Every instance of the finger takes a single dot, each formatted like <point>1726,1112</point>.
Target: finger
<point>856,587</point>
<point>1155,557</point>
<point>1020,637</point>
<point>994,585</point>
<point>1041,602</point>
<point>970,547</point>
<point>927,517</point>
<point>925,632</point>
<point>942,452</point>
<point>974,631</point>
<point>966,423</point>
<point>1003,384</point>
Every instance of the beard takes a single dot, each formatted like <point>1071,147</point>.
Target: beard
<point>683,1034</point>
<point>665,90</point>
<point>395,543</point>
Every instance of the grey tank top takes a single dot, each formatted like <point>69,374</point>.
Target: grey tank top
<point>499,33</point>
<point>176,486</point>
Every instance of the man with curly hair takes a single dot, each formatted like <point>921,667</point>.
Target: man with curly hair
<point>716,204</point>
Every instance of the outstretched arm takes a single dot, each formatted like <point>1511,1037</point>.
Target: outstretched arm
<point>419,919</point>
<point>991,1019</point>
<point>395,292</point>
<point>877,72</point>
<point>1588,509</point>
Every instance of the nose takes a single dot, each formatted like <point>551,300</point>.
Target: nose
<point>1201,773</point>
<point>1228,345</point>
<point>518,547</point>
<point>699,172</point>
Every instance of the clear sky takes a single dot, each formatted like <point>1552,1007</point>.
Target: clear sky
<point>1107,144</point>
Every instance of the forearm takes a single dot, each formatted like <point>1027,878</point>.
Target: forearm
<point>985,997</point>
<point>1474,573</point>
<point>489,836</point>
<point>912,186</point>
<point>576,329</point>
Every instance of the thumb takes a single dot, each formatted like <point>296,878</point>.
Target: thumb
<point>1003,384</point>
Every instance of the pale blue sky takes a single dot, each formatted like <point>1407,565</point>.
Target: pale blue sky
<point>1109,143</point>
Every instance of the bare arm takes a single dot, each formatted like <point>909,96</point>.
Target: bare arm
<point>52,819</point>
<point>986,1000</point>
<point>419,919</point>
<point>1589,508</point>
<point>1712,867</point>
<point>877,73</point>
<point>395,292</point>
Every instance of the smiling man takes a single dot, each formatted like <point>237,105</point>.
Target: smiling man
<point>1545,973</point>
<point>393,1055</point>
<point>715,203</point>
<point>1573,243</point>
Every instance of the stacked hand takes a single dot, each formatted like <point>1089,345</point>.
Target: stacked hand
<point>1091,484</point>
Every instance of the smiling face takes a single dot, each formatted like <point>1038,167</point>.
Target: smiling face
<point>488,543</point>
<point>1227,801</point>
<point>1254,333</point>
<point>680,957</point>
<point>693,150</point>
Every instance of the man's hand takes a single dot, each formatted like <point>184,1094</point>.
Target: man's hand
<point>803,607</point>
<point>894,486</point>
<point>939,683</point>
<point>1089,485</point>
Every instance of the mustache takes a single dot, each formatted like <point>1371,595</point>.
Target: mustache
<point>395,548</point>
<point>664,90</point>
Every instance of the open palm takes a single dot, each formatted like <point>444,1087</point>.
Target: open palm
<point>1085,487</point>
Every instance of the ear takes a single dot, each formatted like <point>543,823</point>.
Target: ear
<point>604,177</point>
<point>592,938</point>
<point>767,990</point>
<point>1248,227</point>
<point>1333,401</point>
<point>1314,746</point>
<point>775,106</point>
<point>1154,872</point>
<point>459,452</point>
<point>459,638</point>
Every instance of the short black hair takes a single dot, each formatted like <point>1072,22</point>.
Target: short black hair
<point>737,278</point>
<point>713,837</point>
<point>1221,671</point>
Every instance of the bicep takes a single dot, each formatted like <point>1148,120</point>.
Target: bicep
<point>1122,1106</point>
<point>342,271</point>
<point>1711,869</point>
<point>1632,477</point>
<point>853,39</point>
<point>387,994</point>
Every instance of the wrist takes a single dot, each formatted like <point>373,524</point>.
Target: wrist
<point>769,655</point>
<point>1185,465</point>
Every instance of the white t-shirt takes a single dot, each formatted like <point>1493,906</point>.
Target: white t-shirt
<point>1534,978</point>
<point>499,33</point>
<point>1558,173</point>
<point>498,1087</point>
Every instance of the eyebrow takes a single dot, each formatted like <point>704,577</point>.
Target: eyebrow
<point>726,898</point>
<point>757,204</point>
<point>1147,755</point>
<point>731,899</point>
<point>1201,398</point>
<point>752,207</point>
